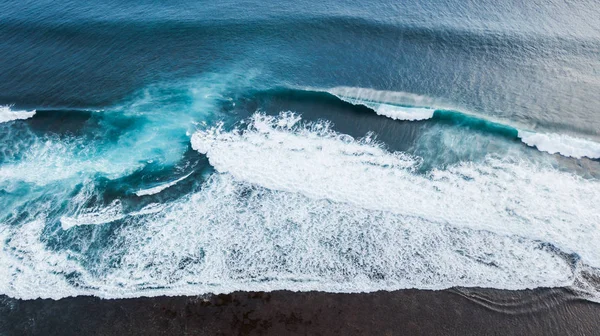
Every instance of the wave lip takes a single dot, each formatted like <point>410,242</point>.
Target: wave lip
<point>394,105</point>
<point>7,114</point>
<point>356,95</point>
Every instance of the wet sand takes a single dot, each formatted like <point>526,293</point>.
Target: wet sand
<point>405,312</point>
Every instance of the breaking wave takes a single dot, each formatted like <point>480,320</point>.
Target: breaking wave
<point>7,114</point>
<point>412,107</point>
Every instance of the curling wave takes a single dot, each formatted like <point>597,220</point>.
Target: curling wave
<point>412,107</point>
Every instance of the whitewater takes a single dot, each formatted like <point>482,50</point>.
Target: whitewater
<point>296,205</point>
<point>7,114</point>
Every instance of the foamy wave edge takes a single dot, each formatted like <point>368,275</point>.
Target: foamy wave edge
<point>161,187</point>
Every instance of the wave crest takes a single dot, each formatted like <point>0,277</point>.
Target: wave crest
<point>412,107</point>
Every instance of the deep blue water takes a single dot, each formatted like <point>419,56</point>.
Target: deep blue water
<point>189,147</point>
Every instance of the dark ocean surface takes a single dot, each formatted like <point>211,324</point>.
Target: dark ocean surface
<point>184,148</point>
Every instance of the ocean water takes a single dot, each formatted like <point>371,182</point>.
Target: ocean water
<point>183,148</point>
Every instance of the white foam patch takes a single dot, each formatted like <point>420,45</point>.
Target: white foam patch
<point>30,270</point>
<point>6,114</point>
<point>84,209</point>
<point>111,213</point>
<point>562,144</point>
<point>507,198</point>
<point>159,188</point>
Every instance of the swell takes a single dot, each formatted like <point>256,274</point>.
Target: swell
<point>424,32</point>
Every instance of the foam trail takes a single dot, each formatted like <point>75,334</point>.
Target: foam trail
<point>561,144</point>
<point>109,214</point>
<point>394,105</point>
<point>6,114</point>
<point>159,188</point>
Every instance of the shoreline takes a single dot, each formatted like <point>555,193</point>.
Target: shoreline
<point>456,311</point>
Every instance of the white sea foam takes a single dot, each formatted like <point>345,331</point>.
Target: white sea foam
<point>159,188</point>
<point>30,270</point>
<point>300,207</point>
<point>507,198</point>
<point>52,159</point>
<point>236,236</point>
<point>6,114</point>
<point>562,144</point>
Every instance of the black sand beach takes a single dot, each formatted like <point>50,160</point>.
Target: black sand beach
<point>406,312</point>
